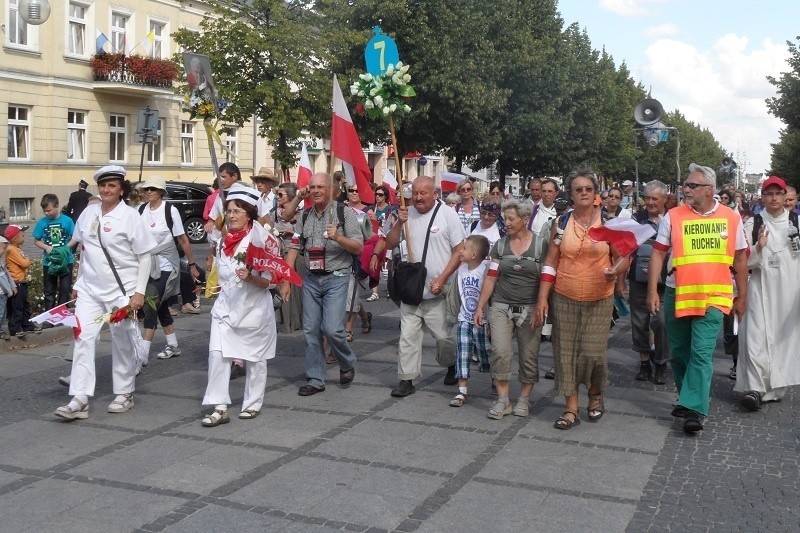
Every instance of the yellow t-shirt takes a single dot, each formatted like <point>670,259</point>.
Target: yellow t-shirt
<point>17,263</point>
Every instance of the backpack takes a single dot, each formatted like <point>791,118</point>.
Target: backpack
<point>640,261</point>
<point>357,269</point>
<point>168,218</point>
<point>758,221</point>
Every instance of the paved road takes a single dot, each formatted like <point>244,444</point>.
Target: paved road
<point>359,460</point>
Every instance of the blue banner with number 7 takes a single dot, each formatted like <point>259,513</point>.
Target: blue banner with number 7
<point>381,51</point>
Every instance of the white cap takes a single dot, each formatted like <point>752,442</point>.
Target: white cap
<point>110,172</point>
<point>244,193</point>
<point>627,183</point>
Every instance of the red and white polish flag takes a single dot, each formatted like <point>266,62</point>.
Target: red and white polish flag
<point>346,145</point>
<point>624,234</point>
<point>264,255</point>
<point>60,315</point>
<point>391,183</point>
<point>304,174</point>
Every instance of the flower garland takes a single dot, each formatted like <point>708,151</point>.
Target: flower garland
<point>200,105</point>
<point>386,93</point>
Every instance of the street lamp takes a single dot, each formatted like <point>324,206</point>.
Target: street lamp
<point>34,12</point>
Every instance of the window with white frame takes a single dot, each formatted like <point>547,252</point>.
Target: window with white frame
<point>19,133</point>
<point>17,31</point>
<point>187,143</point>
<point>20,209</point>
<point>119,31</point>
<point>76,135</point>
<point>231,143</point>
<point>76,31</point>
<point>156,148</point>
<point>118,133</point>
<point>157,48</point>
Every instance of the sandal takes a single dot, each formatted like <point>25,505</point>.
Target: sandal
<point>216,418</point>
<point>596,407</point>
<point>248,414</point>
<point>349,336</point>
<point>70,413</point>
<point>565,423</point>
<point>459,400</point>
<point>366,326</point>
<point>500,410</point>
<point>121,404</point>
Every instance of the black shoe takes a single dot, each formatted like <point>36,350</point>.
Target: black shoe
<point>345,378</point>
<point>752,401</point>
<point>237,371</point>
<point>692,422</point>
<point>550,374</point>
<point>645,371</point>
<point>679,411</point>
<point>658,375</point>
<point>405,388</point>
<point>450,377</point>
<point>309,390</point>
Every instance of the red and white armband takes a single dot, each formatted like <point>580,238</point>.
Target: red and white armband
<point>548,274</point>
<point>493,272</point>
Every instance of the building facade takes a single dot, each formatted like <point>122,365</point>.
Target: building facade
<point>64,121</point>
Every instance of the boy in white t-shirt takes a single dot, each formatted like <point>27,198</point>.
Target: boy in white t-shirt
<point>469,337</point>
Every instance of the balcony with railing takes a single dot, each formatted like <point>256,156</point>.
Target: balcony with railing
<point>134,75</point>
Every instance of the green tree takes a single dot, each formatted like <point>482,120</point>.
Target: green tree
<point>267,63</point>
<point>785,159</point>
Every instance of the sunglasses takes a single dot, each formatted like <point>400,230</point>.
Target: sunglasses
<point>150,189</point>
<point>583,189</point>
<point>465,189</point>
<point>351,191</point>
<point>693,186</point>
<point>281,194</point>
<point>380,194</point>
<point>614,196</point>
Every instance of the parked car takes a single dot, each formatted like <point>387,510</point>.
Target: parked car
<point>189,199</point>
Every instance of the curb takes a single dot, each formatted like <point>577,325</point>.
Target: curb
<point>32,340</point>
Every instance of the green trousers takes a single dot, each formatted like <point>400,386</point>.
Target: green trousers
<point>692,341</point>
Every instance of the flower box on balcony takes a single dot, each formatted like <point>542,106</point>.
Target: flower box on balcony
<point>135,70</point>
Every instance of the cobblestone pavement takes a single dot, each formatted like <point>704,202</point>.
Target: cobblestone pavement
<point>359,460</point>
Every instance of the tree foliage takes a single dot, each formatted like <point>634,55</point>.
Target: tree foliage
<point>786,106</point>
<point>499,84</point>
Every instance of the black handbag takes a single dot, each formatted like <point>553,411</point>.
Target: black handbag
<point>408,282</point>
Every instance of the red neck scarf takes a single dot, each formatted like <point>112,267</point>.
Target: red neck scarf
<point>233,238</point>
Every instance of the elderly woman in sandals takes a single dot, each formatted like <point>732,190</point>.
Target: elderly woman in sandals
<point>115,267</point>
<point>242,319</point>
<point>581,271</point>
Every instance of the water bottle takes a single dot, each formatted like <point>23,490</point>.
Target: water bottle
<point>794,239</point>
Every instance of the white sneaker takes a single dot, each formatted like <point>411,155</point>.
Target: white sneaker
<point>169,351</point>
<point>122,403</point>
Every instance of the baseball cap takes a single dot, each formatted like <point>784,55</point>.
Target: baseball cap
<point>12,230</point>
<point>773,180</point>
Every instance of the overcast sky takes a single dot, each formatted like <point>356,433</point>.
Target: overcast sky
<point>707,58</point>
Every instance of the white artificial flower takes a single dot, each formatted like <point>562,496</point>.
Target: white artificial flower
<point>361,94</point>
<point>406,78</point>
<point>354,89</point>
<point>397,79</point>
<point>368,104</point>
<point>378,100</point>
<point>404,69</point>
<point>393,108</point>
<point>407,108</point>
<point>386,110</point>
<point>399,65</point>
<point>390,70</point>
<point>373,91</point>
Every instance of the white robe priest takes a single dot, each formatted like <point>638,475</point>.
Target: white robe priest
<point>769,334</point>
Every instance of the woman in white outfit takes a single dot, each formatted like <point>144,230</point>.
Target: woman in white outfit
<point>100,287</point>
<point>242,319</point>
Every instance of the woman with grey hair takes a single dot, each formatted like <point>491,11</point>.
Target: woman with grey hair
<point>452,199</point>
<point>583,273</point>
<point>512,282</point>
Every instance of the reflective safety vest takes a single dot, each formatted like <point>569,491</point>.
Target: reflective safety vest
<point>702,255</point>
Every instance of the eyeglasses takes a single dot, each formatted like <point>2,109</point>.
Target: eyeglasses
<point>693,185</point>
<point>603,196</point>
<point>236,212</point>
<point>617,196</point>
<point>351,191</point>
<point>583,189</point>
<point>150,189</point>
<point>488,214</point>
<point>465,189</point>
<point>380,194</point>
